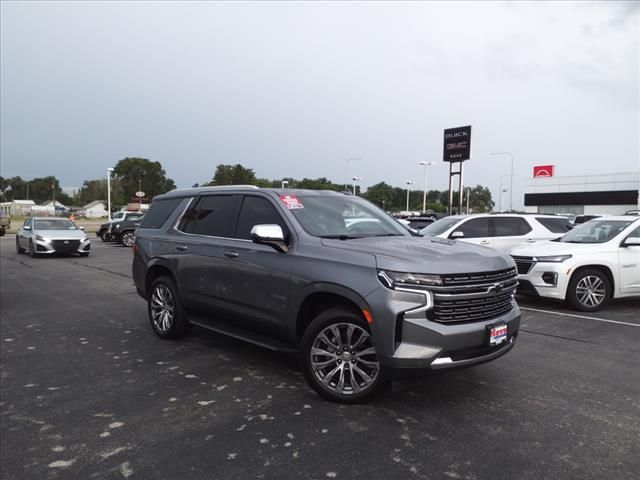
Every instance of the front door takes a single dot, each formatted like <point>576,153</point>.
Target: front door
<point>629,258</point>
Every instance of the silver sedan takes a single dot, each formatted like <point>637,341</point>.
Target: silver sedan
<point>47,236</point>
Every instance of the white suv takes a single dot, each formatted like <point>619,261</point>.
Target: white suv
<point>499,231</point>
<point>593,263</point>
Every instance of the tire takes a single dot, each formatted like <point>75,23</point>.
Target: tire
<point>589,290</point>
<point>105,237</point>
<point>128,238</point>
<point>19,249</point>
<point>352,376</point>
<point>85,254</point>
<point>162,299</point>
<point>32,250</point>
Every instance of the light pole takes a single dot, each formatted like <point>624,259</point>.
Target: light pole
<point>502,190</point>
<point>284,184</point>
<point>109,170</point>
<point>346,166</point>
<point>409,183</point>
<point>468,193</point>
<point>424,194</point>
<point>355,179</point>
<point>511,178</point>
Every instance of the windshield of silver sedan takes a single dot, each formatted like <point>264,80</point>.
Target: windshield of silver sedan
<point>595,231</point>
<point>54,224</point>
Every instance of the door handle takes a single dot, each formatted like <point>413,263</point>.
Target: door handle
<point>231,254</point>
<point>484,242</point>
<point>530,240</point>
<point>182,248</point>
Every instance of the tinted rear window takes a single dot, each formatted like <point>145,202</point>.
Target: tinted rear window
<point>555,225</point>
<point>212,216</point>
<point>158,212</point>
<point>510,226</point>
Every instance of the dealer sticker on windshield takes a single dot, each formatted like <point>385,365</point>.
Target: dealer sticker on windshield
<point>497,335</point>
<point>291,202</point>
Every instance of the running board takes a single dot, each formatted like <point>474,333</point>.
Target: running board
<point>242,334</point>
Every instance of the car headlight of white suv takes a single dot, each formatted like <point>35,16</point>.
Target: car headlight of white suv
<point>553,258</point>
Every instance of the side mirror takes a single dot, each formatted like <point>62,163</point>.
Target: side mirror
<point>81,228</point>
<point>631,242</point>
<point>26,227</point>
<point>271,235</point>
<point>457,234</point>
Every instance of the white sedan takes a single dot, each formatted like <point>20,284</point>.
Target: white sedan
<point>591,264</point>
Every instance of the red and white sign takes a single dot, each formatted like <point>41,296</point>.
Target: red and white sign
<point>497,335</point>
<point>543,171</point>
<point>291,202</point>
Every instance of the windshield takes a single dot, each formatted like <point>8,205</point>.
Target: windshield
<point>440,226</point>
<point>118,216</point>
<point>55,224</point>
<point>341,217</point>
<point>595,231</point>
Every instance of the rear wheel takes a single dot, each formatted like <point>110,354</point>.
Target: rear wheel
<point>167,315</point>
<point>589,290</point>
<point>19,249</point>
<point>338,357</point>
<point>128,239</point>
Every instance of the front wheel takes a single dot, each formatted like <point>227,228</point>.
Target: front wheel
<point>128,239</point>
<point>589,290</point>
<point>32,250</point>
<point>167,315</point>
<point>338,357</point>
<point>19,249</point>
<point>105,237</point>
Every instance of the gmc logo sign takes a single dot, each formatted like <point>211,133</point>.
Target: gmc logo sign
<point>457,144</point>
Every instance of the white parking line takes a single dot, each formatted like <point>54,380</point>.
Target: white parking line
<point>580,316</point>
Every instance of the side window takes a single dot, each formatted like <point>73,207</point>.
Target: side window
<point>474,228</point>
<point>635,233</point>
<point>510,226</point>
<point>159,211</point>
<point>212,215</point>
<point>555,225</point>
<point>257,211</point>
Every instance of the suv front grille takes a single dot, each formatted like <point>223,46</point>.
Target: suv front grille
<point>474,297</point>
<point>524,264</point>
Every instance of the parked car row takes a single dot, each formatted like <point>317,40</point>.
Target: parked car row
<point>121,229</point>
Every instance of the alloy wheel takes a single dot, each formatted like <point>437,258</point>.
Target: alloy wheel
<point>343,359</point>
<point>128,239</point>
<point>162,308</point>
<point>591,291</point>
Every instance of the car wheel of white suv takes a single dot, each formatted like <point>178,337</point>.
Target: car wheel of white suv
<point>589,290</point>
<point>338,357</point>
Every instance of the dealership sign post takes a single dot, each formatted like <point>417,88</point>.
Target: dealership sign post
<point>457,149</point>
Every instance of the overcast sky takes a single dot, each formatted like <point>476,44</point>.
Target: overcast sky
<point>295,89</point>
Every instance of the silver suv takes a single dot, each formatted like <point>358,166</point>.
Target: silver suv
<point>327,275</point>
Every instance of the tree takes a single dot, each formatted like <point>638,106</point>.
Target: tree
<point>92,190</point>
<point>381,194</point>
<point>233,175</point>
<point>480,199</point>
<point>139,174</point>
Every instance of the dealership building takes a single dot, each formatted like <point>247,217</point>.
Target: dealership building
<point>610,194</point>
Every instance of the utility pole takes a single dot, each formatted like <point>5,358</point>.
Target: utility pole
<point>424,193</point>
<point>409,183</point>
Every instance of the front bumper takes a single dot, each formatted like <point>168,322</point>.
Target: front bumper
<point>53,246</point>
<point>406,339</point>
<point>546,279</point>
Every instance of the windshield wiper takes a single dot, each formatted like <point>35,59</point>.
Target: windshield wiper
<point>387,235</point>
<point>340,237</point>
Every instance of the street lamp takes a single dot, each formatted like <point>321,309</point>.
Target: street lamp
<point>109,170</point>
<point>346,165</point>
<point>511,176</point>
<point>424,194</point>
<point>284,184</point>
<point>502,190</point>
<point>355,179</point>
<point>409,183</point>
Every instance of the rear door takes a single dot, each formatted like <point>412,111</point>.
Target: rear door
<point>202,268</point>
<point>509,232</point>
<point>475,230</point>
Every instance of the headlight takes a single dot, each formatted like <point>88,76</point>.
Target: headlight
<point>553,258</point>
<point>393,279</point>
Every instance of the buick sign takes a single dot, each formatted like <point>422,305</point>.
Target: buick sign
<point>457,144</point>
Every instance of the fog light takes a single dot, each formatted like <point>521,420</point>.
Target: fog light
<point>550,277</point>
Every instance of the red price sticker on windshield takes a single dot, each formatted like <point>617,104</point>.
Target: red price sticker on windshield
<point>291,202</point>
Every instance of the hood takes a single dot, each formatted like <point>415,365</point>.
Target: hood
<point>547,248</point>
<point>61,234</point>
<point>426,254</point>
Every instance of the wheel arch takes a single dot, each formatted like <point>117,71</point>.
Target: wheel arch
<point>605,269</point>
<point>157,268</point>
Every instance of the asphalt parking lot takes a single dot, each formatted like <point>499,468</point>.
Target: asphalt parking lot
<point>89,392</point>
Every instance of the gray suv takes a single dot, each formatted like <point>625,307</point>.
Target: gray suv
<point>327,275</point>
